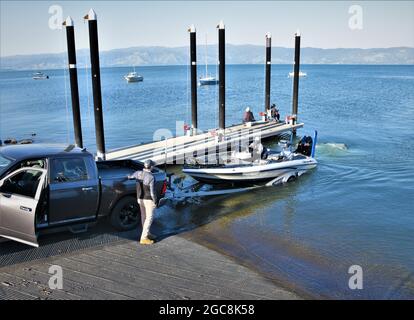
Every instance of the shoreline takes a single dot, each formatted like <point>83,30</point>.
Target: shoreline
<point>10,70</point>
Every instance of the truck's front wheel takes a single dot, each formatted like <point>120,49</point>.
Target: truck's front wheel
<point>126,214</point>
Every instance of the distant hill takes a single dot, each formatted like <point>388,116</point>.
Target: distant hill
<point>235,54</point>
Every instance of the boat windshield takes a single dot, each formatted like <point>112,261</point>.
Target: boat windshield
<point>4,164</point>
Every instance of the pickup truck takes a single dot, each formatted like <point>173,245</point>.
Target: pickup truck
<point>46,188</point>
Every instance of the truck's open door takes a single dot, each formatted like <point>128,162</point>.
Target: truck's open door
<point>19,199</point>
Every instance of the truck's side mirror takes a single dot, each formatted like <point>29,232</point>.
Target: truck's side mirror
<point>1,183</point>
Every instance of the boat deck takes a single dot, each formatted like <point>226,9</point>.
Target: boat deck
<point>174,150</point>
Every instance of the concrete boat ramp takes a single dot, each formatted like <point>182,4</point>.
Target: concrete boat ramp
<point>174,268</point>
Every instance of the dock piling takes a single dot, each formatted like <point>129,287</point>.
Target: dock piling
<point>193,58</point>
<point>73,74</point>
<point>268,71</point>
<point>296,76</point>
<point>222,71</point>
<point>96,83</point>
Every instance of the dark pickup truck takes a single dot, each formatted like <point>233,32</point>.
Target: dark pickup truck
<point>52,187</point>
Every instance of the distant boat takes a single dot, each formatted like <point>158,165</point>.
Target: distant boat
<point>207,79</point>
<point>39,76</point>
<point>133,77</point>
<point>301,74</point>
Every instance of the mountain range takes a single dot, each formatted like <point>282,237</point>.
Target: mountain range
<point>235,54</point>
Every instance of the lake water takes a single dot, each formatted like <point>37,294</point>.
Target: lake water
<point>356,208</point>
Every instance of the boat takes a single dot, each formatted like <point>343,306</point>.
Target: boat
<point>39,76</point>
<point>301,74</point>
<point>274,168</point>
<point>133,77</point>
<point>207,79</point>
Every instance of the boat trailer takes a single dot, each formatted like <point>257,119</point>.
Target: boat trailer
<point>177,193</point>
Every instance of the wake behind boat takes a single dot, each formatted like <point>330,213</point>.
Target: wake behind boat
<point>272,168</point>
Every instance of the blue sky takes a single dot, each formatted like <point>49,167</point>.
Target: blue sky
<point>24,27</point>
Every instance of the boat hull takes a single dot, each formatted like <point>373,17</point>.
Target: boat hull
<point>207,82</point>
<point>40,78</point>
<point>138,79</point>
<point>251,174</point>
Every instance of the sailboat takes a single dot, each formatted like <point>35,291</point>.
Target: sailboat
<point>133,77</point>
<point>207,79</point>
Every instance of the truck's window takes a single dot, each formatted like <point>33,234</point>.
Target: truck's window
<point>33,163</point>
<point>24,183</point>
<point>68,170</point>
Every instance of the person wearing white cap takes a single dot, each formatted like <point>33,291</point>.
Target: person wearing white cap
<point>147,199</point>
<point>248,116</point>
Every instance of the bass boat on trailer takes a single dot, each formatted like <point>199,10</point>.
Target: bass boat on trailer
<point>273,167</point>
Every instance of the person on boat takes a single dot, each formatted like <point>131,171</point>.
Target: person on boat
<point>305,146</point>
<point>257,150</point>
<point>274,113</point>
<point>248,116</point>
<point>147,199</point>
<point>285,154</point>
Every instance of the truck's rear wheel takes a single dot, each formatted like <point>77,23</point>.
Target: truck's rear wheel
<point>126,214</point>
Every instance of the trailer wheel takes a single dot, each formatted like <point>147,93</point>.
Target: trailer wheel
<point>126,214</point>
<point>291,178</point>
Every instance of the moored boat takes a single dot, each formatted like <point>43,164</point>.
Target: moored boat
<point>207,80</point>
<point>301,74</point>
<point>39,76</point>
<point>133,77</point>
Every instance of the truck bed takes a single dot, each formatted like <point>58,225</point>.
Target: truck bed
<point>113,175</point>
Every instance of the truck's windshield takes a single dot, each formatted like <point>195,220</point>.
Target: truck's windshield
<point>4,163</point>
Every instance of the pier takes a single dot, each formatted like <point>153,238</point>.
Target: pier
<point>174,150</point>
<point>193,143</point>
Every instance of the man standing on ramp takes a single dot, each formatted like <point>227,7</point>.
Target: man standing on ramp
<point>147,199</point>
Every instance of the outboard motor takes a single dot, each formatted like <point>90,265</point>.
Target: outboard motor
<point>305,146</point>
